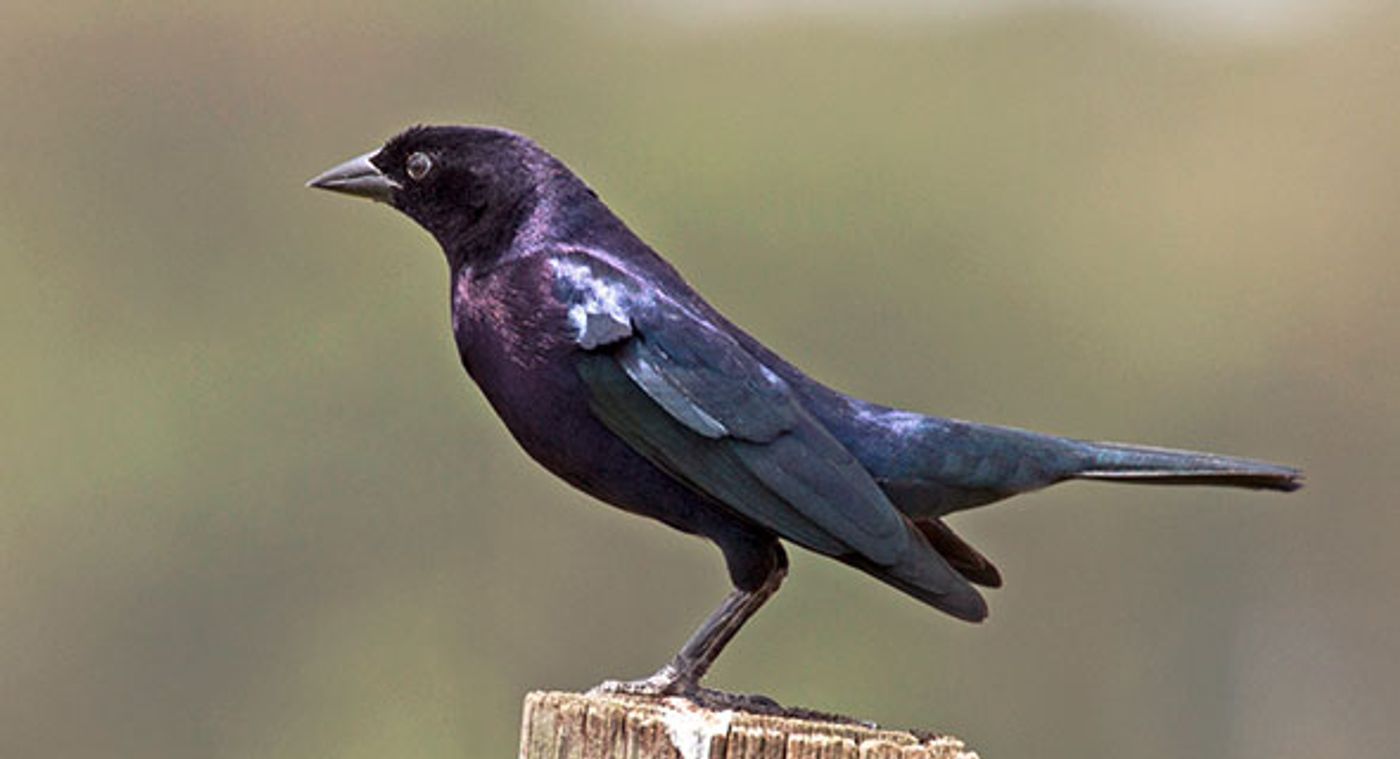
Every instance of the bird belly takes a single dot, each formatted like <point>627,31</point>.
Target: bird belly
<point>544,405</point>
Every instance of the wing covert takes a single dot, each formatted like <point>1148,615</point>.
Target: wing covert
<point>686,395</point>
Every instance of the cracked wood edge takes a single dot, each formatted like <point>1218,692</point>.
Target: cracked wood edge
<point>576,726</point>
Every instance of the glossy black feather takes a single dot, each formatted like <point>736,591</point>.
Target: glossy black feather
<point>614,374</point>
<point>803,483</point>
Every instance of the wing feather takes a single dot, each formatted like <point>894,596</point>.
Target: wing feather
<point>688,396</point>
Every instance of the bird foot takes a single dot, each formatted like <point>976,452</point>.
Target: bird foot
<point>671,680</point>
<point>667,683</point>
<point>656,686</point>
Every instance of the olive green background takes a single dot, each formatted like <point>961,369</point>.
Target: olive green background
<point>251,507</point>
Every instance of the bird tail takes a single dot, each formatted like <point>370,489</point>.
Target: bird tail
<point>1165,466</point>
<point>938,569</point>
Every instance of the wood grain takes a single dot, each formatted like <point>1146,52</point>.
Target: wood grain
<point>577,726</point>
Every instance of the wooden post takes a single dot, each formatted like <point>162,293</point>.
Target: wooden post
<point>577,726</point>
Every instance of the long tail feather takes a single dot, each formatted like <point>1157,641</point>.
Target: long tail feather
<point>1164,466</point>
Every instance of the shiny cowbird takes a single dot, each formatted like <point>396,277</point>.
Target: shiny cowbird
<point>611,372</point>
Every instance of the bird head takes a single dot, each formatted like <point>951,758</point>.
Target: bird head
<point>464,185</point>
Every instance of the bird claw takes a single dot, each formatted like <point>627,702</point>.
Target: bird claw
<point>666,682</point>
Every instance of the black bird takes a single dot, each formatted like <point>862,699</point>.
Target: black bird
<point>611,372</point>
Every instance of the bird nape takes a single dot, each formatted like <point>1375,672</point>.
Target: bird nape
<point>612,373</point>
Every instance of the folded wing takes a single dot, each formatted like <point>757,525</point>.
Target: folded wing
<point>686,395</point>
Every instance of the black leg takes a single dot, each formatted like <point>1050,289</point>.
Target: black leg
<point>681,676</point>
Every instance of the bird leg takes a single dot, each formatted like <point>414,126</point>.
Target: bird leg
<point>681,676</point>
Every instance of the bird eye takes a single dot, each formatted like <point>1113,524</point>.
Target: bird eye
<point>418,166</point>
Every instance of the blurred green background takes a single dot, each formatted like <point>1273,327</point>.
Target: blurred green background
<point>251,507</point>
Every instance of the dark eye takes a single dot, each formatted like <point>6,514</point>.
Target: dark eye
<point>418,165</point>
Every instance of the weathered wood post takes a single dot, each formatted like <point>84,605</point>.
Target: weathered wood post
<point>577,726</point>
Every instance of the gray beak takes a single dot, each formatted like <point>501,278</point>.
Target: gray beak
<point>357,176</point>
